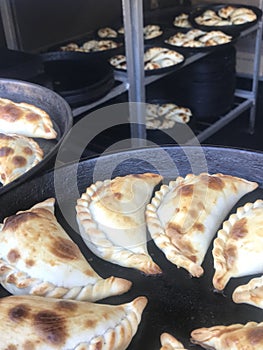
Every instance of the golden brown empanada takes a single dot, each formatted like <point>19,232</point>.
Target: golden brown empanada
<point>30,322</point>
<point>38,257</point>
<point>169,342</point>
<point>25,119</point>
<point>239,244</point>
<point>250,293</point>
<point>184,216</point>
<point>233,337</point>
<point>18,154</point>
<point>111,218</point>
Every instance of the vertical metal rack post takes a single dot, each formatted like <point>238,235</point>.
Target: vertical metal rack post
<point>134,48</point>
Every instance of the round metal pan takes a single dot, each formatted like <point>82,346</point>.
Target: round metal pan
<point>199,10</point>
<point>157,71</point>
<point>185,49</point>
<point>95,54</point>
<point>177,303</point>
<point>78,78</point>
<point>53,104</point>
<point>121,37</point>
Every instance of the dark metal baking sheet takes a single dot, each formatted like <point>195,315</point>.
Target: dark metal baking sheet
<point>185,49</point>
<point>53,104</point>
<point>149,72</point>
<point>216,7</point>
<point>177,303</point>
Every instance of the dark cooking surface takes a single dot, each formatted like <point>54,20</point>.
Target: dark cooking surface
<point>177,302</point>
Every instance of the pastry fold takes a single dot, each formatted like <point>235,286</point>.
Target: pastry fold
<point>184,216</point>
<point>238,247</point>
<point>111,219</point>
<point>38,257</point>
<point>232,337</point>
<point>30,322</point>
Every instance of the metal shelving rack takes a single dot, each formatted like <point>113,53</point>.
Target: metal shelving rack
<point>134,81</point>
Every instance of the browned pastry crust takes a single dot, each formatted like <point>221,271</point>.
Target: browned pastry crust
<point>239,244</point>
<point>18,154</point>
<point>25,119</point>
<point>250,293</point>
<point>233,337</point>
<point>38,257</point>
<point>30,322</point>
<point>111,218</point>
<point>183,217</point>
<point>169,342</point>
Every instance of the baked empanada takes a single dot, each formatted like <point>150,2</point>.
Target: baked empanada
<point>233,337</point>
<point>239,245</point>
<point>30,322</point>
<point>111,218</point>
<point>18,154</point>
<point>184,216</point>
<point>169,342</point>
<point>38,257</point>
<point>250,293</point>
<point>25,119</point>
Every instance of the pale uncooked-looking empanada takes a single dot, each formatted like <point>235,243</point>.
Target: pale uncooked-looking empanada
<point>250,293</point>
<point>31,322</point>
<point>18,154</point>
<point>111,218</point>
<point>25,119</point>
<point>184,216</point>
<point>38,257</point>
<point>239,245</point>
<point>233,337</point>
<point>169,342</point>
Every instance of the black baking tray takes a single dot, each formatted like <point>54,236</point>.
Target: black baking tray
<point>216,7</point>
<point>185,49</point>
<point>177,303</point>
<point>78,78</point>
<point>159,70</point>
<point>58,109</point>
<point>95,54</point>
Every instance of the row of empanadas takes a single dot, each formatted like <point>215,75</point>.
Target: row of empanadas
<point>198,38</point>
<point>150,31</point>
<point>28,322</point>
<point>164,116</point>
<point>91,46</point>
<point>226,16</point>
<point>154,58</point>
<point>19,122</point>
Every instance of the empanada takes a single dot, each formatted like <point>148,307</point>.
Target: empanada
<point>25,119</point>
<point>18,154</point>
<point>233,337</point>
<point>239,245</point>
<point>107,32</point>
<point>111,218</point>
<point>184,216</point>
<point>38,257</point>
<point>250,293</point>
<point>30,322</point>
<point>169,342</point>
